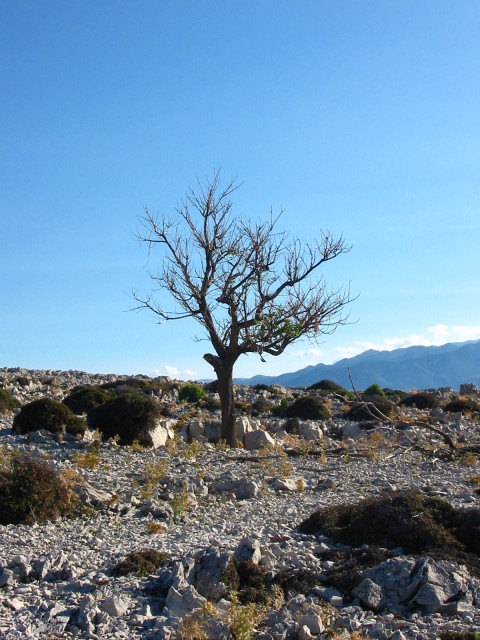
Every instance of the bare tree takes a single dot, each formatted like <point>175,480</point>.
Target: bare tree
<point>251,288</point>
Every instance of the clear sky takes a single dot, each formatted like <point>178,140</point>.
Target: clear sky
<point>358,116</point>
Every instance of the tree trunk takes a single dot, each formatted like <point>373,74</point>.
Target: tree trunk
<point>225,390</point>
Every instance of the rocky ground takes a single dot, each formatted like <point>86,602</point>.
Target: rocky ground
<point>203,506</point>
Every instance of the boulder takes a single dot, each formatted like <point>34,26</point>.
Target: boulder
<point>257,439</point>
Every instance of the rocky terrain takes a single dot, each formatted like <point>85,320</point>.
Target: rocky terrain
<point>217,542</point>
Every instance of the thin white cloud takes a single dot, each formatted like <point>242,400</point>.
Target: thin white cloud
<point>307,353</point>
<point>175,372</point>
<point>436,335</point>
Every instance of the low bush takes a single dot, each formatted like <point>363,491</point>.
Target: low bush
<point>421,400</point>
<point>248,580</point>
<point>7,402</point>
<point>32,491</point>
<point>141,563</point>
<point>307,408</point>
<point>373,409</point>
<point>295,581</point>
<point>374,391</point>
<point>462,405</point>
<point>329,386</point>
<point>129,416</point>
<point>137,385</point>
<point>191,392</point>
<point>48,414</point>
<point>86,398</point>
<point>392,520</point>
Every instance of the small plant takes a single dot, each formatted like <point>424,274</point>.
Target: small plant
<point>154,473</point>
<point>48,414</point>
<point>7,402</point>
<point>374,445</point>
<point>141,563</point>
<point>462,405</point>
<point>243,620</point>
<point>280,409</point>
<point>329,386</point>
<point>300,484</point>
<point>192,450</point>
<point>155,528</point>
<point>222,446</point>
<point>180,503</point>
<point>374,409</point>
<point>191,392</point>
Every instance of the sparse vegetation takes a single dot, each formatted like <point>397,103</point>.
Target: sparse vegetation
<point>48,414</point>
<point>374,391</point>
<point>374,409</point>
<point>462,405</point>
<point>7,402</point>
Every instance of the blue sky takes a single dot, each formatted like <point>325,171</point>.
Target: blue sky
<point>357,116</point>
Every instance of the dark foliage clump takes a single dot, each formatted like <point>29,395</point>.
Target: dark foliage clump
<point>48,414</point>
<point>296,581</point>
<point>128,416</point>
<point>329,386</point>
<point>86,398</point>
<point>141,563</point>
<point>461,405</point>
<point>7,402</point>
<point>459,635</point>
<point>264,387</point>
<point>374,409</point>
<point>421,400</point>
<point>260,406</point>
<point>410,520</point>
<point>248,580</point>
<point>346,573</point>
<point>307,408</point>
<point>32,491</point>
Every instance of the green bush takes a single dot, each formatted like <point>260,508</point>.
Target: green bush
<point>374,391</point>
<point>32,491</point>
<point>191,392</point>
<point>82,400</point>
<point>421,400</point>
<point>307,408</point>
<point>7,402</point>
<point>248,580</point>
<point>279,409</point>
<point>140,563</point>
<point>48,414</point>
<point>137,385</point>
<point>128,416</point>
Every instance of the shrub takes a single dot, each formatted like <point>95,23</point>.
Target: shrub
<point>7,402</point>
<point>248,580</point>
<point>86,398</point>
<point>392,520</point>
<point>140,563</point>
<point>462,404</point>
<point>421,400</point>
<point>32,491</point>
<point>128,416</point>
<point>48,414</point>
<point>264,387</point>
<point>329,386</point>
<point>136,385</point>
<point>374,391</point>
<point>191,392</point>
<point>280,409</point>
<point>374,409</point>
<point>307,408</point>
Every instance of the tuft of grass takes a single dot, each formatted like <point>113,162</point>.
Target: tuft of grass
<point>155,528</point>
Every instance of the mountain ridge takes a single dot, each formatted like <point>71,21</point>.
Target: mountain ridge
<point>415,367</point>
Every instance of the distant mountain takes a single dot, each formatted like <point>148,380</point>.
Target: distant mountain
<point>410,368</point>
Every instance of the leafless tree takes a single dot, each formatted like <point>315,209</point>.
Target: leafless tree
<point>251,288</point>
